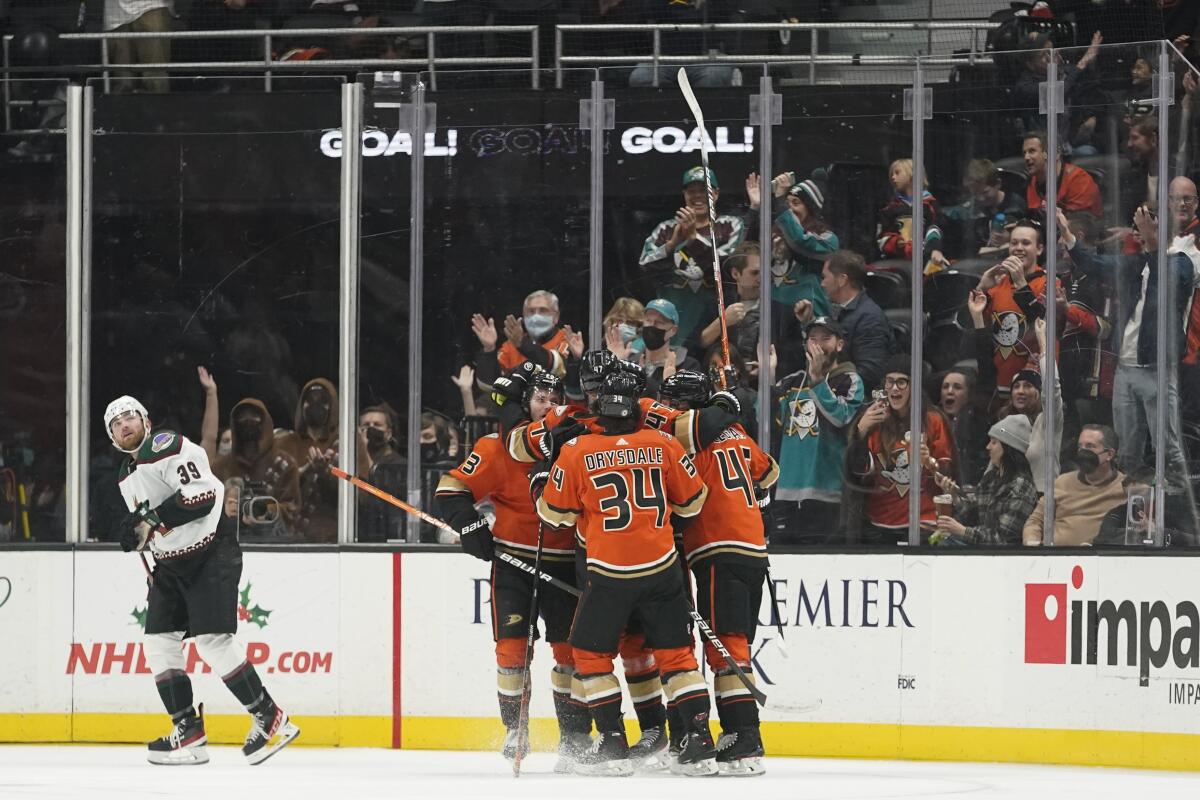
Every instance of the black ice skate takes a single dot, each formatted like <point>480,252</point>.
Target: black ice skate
<point>185,745</point>
<point>511,739</point>
<point>698,756</point>
<point>740,753</point>
<point>650,752</point>
<point>608,756</point>
<point>570,747</point>
<point>270,732</point>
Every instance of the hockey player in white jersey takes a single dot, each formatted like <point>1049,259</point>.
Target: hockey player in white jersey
<point>175,504</point>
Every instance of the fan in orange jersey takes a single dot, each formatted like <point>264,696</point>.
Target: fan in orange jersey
<point>619,488</point>
<point>489,473</point>
<point>726,548</point>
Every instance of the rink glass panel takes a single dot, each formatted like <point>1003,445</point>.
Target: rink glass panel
<point>841,135</point>
<point>33,313</point>
<point>215,243</point>
<point>506,191</point>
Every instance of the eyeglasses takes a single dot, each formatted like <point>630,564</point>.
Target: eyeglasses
<point>898,383</point>
<point>1184,202</point>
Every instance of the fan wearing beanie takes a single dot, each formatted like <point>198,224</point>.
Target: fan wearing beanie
<point>803,237</point>
<point>996,513</point>
<point>878,458</point>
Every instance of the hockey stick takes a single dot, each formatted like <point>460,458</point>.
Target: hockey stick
<point>526,677</point>
<point>688,95</point>
<point>712,638</point>
<point>437,523</point>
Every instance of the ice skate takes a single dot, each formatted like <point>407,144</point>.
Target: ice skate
<point>650,752</point>
<point>183,746</point>
<point>698,756</point>
<point>740,754</point>
<point>511,738</point>
<point>271,732</point>
<point>570,746</point>
<point>608,756</point>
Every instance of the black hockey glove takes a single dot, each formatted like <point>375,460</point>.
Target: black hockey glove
<point>726,401</point>
<point>538,475</point>
<point>560,434</point>
<point>476,539</point>
<point>127,532</point>
<point>511,387</point>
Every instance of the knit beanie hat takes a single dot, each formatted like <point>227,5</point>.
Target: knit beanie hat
<point>1028,374</point>
<point>1014,431</point>
<point>811,193</point>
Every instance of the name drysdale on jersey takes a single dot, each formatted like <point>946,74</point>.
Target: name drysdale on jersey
<point>625,457</point>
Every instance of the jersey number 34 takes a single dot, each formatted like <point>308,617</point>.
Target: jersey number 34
<point>647,494</point>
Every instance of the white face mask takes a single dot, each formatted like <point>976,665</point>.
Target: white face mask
<point>538,324</point>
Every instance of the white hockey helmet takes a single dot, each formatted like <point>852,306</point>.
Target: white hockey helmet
<point>122,405</point>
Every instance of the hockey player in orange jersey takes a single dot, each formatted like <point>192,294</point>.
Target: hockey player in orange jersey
<point>619,488</point>
<point>488,473</point>
<point>726,549</point>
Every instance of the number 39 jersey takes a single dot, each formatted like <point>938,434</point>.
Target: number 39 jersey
<point>620,491</point>
<point>172,475</point>
<point>733,467</point>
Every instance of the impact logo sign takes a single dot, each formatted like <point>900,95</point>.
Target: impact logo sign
<point>1059,630</point>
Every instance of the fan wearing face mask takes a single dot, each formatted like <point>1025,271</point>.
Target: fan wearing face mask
<point>256,458</point>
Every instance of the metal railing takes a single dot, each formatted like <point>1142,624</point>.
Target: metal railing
<point>268,63</point>
<point>813,57</point>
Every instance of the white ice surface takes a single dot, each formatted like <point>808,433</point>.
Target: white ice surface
<point>298,773</point>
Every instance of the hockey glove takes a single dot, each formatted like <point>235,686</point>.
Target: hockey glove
<point>476,539</point>
<point>538,475</point>
<point>727,401</point>
<point>511,387</point>
<point>552,442</point>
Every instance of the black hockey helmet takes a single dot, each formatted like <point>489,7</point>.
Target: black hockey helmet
<point>595,366</point>
<point>637,371</point>
<point>688,386</point>
<point>618,397</point>
<point>542,381</point>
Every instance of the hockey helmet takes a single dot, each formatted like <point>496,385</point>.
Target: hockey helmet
<point>688,386</point>
<point>123,405</point>
<point>618,397</point>
<point>543,381</point>
<point>596,365</point>
<point>637,371</point>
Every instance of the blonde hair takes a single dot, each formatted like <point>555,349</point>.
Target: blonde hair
<point>625,308</point>
<point>906,164</point>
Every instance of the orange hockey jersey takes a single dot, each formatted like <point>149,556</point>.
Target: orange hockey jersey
<point>523,439</point>
<point>488,472</point>
<point>730,523</point>
<point>620,491</point>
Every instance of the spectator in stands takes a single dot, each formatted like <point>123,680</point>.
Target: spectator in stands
<point>741,316</point>
<point>981,221</point>
<point>1132,521</point>
<point>379,521</point>
<point>537,336</point>
<point>996,512</point>
<point>1076,189</point>
<point>1142,147</point>
<point>868,333</point>
<point>1016,292</point>
<point>969,427</point>
<point>209,423</point>
<point>895,219</point>
<point>1137,383</point>
<point>678,253</point>
<point>465,381</point>
<point>661,359</point>
<point>1082,498</point>
<point>1083,360</point>
<point>622,327</point>
<point>266,471</point>
<point>313,444</point>
<point>878,465</point>
<point>1078,126</point>
<point>815,408</point>
<point>1183,199</point>
<point>139,16</point>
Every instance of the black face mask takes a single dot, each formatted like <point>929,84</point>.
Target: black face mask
<point>1087,460</point>
<point>429,452</point>
<point>654,337</point>
<point>247,432</point>
<point>376,439</point>
<point>316,413</point>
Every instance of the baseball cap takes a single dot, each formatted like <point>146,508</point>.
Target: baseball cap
<point>664,307</point>
<point>828,323</point>
<point>697,174</point>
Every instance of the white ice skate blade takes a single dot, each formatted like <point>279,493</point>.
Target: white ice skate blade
<point>696,769</point>
<point>655,762</point>
<point>742,767</point>
<point>282,738</point>
<point>182,757</point>
<point>616,768</point>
